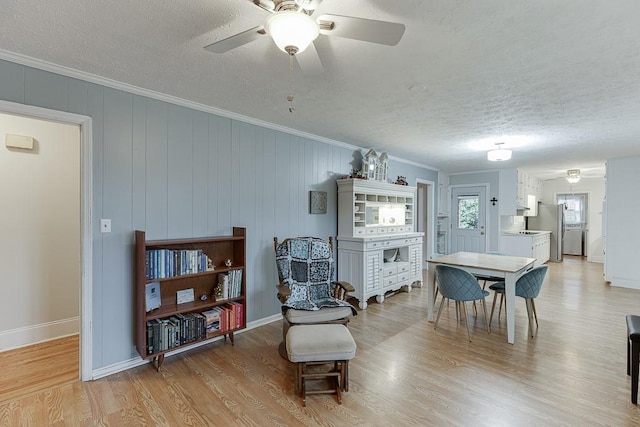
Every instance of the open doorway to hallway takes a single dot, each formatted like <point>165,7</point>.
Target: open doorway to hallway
<point>40,224</point>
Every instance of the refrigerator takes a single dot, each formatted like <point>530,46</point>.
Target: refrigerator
<point>550,218</point>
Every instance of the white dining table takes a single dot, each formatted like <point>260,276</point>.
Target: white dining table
<point>508,267</point>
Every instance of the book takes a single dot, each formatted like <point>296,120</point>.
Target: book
<point>152,296</point>
<point>212,320</point>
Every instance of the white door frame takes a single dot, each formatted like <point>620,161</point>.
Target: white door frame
<point>587,197</point>
<point>487,221</point>
<point>431,217</point>
<point>86,269</point>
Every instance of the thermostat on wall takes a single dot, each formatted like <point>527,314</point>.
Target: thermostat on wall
<point>19,141</point>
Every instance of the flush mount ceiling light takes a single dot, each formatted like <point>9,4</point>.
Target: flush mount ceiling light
<point>292,31</point>
<point>499,154</point>
<point>573,176</point>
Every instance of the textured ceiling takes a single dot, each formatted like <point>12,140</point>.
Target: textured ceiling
<point>556,81</point>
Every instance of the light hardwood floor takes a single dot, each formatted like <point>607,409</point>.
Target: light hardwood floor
<point>572,373</point>
<point>34,368</point>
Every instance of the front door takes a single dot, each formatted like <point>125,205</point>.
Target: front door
<point>468,225</point>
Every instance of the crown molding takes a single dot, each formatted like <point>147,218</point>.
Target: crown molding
<point>114,84</point>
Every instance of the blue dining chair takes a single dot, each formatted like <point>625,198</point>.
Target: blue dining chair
<point>528,287</point>
<point>489,279</point>
<point>460,286</point>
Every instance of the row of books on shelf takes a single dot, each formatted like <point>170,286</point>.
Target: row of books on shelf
<point>162,263</point>
<point>231,283</point>
<point>224,318</point>
<point>165,334</point>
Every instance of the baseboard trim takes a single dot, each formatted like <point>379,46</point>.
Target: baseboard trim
<point>624,283</point>
<point>137,361</point>
<point>34,334</point>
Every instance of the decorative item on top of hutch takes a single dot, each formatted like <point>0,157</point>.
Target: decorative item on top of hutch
<point>378,248</point>
<point>383,168</point>
<point>370,164</point>
<point>375,168</point>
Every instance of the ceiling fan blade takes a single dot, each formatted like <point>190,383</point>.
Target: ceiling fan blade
<point>309,61</point>
<point>236,40</point>
<point>267,5</point>
<point>369,30</point>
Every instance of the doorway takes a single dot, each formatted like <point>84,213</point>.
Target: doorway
<point>574,240</point>
<point>40,228</point>
<point>425,215</point>
<point>468,230</point>
<point>83,264</point>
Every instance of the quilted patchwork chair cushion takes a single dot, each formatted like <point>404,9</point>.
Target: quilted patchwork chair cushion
<point>305,265</point>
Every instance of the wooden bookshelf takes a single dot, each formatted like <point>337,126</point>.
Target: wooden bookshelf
<point>165,262</point>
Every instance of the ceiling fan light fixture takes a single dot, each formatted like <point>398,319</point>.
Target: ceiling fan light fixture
<point>292,31</point>
<point>573,176</point>
<point>499,154</point>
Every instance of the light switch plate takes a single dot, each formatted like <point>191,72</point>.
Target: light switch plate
<point>105,226</point>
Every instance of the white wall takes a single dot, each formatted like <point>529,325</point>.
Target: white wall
<point>595,189</point>
<point>622,231</point>
<point>40,232</point>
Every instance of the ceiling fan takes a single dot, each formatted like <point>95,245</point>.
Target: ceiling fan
<point>293,29</point>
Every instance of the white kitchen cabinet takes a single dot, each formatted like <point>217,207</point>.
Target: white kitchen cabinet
<point>509,192</point>
<point>536,246</point>
<point>378,249</point>
<point>518,193</point>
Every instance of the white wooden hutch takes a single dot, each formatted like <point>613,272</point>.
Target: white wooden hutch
<point>378,248</point>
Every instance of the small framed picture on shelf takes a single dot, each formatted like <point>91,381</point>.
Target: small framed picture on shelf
<point>318,202</point>
<point>185,295</point>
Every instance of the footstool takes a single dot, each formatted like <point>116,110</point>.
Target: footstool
<point>321,344</point>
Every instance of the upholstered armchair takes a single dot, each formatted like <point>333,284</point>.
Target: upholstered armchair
<point>306,288</point>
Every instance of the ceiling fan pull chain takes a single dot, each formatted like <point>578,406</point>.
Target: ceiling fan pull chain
<point>290,96</point>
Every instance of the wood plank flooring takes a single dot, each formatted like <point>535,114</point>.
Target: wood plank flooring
<point>573,373</point>
<point>37,367</point>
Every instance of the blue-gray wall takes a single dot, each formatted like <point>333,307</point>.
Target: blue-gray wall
<point>177,172</point>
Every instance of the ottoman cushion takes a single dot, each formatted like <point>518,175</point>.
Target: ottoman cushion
<point>316,343</point>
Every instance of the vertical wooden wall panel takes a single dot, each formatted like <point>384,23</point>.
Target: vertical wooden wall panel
<point>281,189</point>
<point>307,175</point>
<point>139,164</point>
<point>215,125</point>
<point>245,213</point>
<point>156,198</point>
<point>200,173</point>
<point>117,205</point>
<point>269,213</point>
<point>297,194</point>
<point>77,96</point>
<point>176,172</point>
<point>12,82</point>
<point>180,172</point>
<point>46,90</point>
<point>95,109</point>
<point>224,177</point>
<point>237,136</point>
